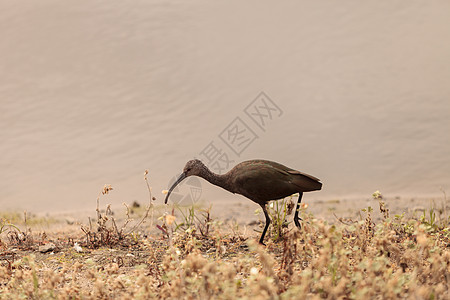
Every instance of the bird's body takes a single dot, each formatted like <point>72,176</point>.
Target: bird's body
<point>259,180</point>
<point>263,180</point>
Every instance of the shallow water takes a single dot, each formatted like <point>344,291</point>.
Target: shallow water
<point>95,92</point>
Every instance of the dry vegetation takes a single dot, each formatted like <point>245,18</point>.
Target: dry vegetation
<point>192,257</point>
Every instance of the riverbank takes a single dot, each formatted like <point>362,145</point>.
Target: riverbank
<point>196,252</point>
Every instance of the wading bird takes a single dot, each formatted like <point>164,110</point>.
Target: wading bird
<point>258,180</point>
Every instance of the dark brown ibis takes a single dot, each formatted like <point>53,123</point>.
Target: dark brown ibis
<point>259,180</point>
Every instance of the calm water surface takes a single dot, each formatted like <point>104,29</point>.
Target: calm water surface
<point>95,92</point>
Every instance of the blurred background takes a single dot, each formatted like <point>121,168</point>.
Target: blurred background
<point>95,92</point>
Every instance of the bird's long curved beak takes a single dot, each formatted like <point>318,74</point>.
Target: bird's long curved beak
<point>180,179</point>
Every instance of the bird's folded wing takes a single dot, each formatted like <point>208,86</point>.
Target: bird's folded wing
<point>304,174</point>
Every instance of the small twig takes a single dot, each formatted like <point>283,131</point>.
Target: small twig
<point>341,220</point>
<point>150,206</point>
<point>128,210</point>
<point>128,220</point>
<point>115,227</point>
<point>163,230</point>
<point>106,189</point>
<point>149,197</point>
<point>445,205</point>
<point>98,208</point>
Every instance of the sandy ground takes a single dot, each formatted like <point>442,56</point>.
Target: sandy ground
<point>243,212</point>
<point>246,216</point>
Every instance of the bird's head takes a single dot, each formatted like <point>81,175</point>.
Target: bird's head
<point>192,168</point>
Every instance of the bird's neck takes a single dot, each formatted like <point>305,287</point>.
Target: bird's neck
<point>219,180</point>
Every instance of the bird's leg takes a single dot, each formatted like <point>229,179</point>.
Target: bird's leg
<point>296,217</point>
<point>261,240</point>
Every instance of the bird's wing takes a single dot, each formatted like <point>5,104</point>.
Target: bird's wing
<point>264,183</point>
<point>304,174</point>
<point>265,180</point>
<point>283,169</point>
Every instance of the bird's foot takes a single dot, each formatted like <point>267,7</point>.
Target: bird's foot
<point>262,243</point>
<point>297,223</point>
